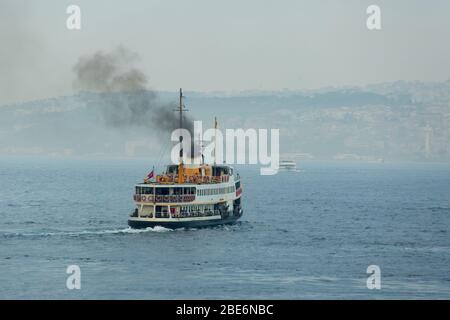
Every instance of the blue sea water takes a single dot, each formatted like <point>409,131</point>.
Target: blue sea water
<point>304,235</point>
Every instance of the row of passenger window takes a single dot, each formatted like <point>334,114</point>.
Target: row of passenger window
<point>196,208</point>
<point>165,191</point>
<point>209,192</point>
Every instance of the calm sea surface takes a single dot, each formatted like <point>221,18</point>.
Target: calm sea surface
<point>309,234</point>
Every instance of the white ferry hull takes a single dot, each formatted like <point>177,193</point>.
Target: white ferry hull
<point>177,223</point>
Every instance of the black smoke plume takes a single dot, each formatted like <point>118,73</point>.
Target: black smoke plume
<point>126,98</point>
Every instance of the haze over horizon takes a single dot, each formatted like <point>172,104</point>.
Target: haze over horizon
<point>391,121</point>
<point>225,46</point>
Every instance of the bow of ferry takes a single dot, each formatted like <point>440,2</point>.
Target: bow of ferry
<point>208,196</point>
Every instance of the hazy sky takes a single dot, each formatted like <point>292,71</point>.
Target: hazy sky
<point>209,45</point>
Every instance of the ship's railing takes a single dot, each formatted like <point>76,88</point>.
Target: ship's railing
<point>184,214</point>
<point>187,214</point>
<point>164,198</point>
<point>170,178</point>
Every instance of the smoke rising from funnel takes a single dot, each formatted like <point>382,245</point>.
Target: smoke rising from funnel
<point>127,100</point>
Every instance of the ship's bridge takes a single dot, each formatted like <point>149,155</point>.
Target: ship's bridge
<point>202,170</point>
<point>196,174</point>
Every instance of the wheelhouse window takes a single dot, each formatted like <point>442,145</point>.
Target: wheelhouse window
<point>162,191</point>
<point>175,191</point>
<point>189,190</point>
<point>172,169</point>
<point>148,190</point>
<point>144,190</point>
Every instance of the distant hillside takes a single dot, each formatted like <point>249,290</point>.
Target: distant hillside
<point>401,120</point>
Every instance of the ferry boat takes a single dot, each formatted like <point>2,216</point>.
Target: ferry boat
<point>188,196</point>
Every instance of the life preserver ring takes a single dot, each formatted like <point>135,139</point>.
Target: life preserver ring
<point>158,198</point>
<point>143,198</point>
<point>166,198</point>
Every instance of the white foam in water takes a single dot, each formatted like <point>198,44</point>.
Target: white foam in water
<point>131,230</point>
<point>148,229</point>
<point>93,232</point>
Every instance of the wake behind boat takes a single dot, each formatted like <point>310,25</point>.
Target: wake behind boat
<point>188,196</point>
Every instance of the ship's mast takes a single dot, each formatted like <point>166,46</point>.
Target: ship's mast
<point>181,109</point>
<point>215,138</point>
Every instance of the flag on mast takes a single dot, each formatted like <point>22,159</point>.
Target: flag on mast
<point>150,175</point>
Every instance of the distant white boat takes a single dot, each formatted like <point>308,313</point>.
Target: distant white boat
<point>288,165</point>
